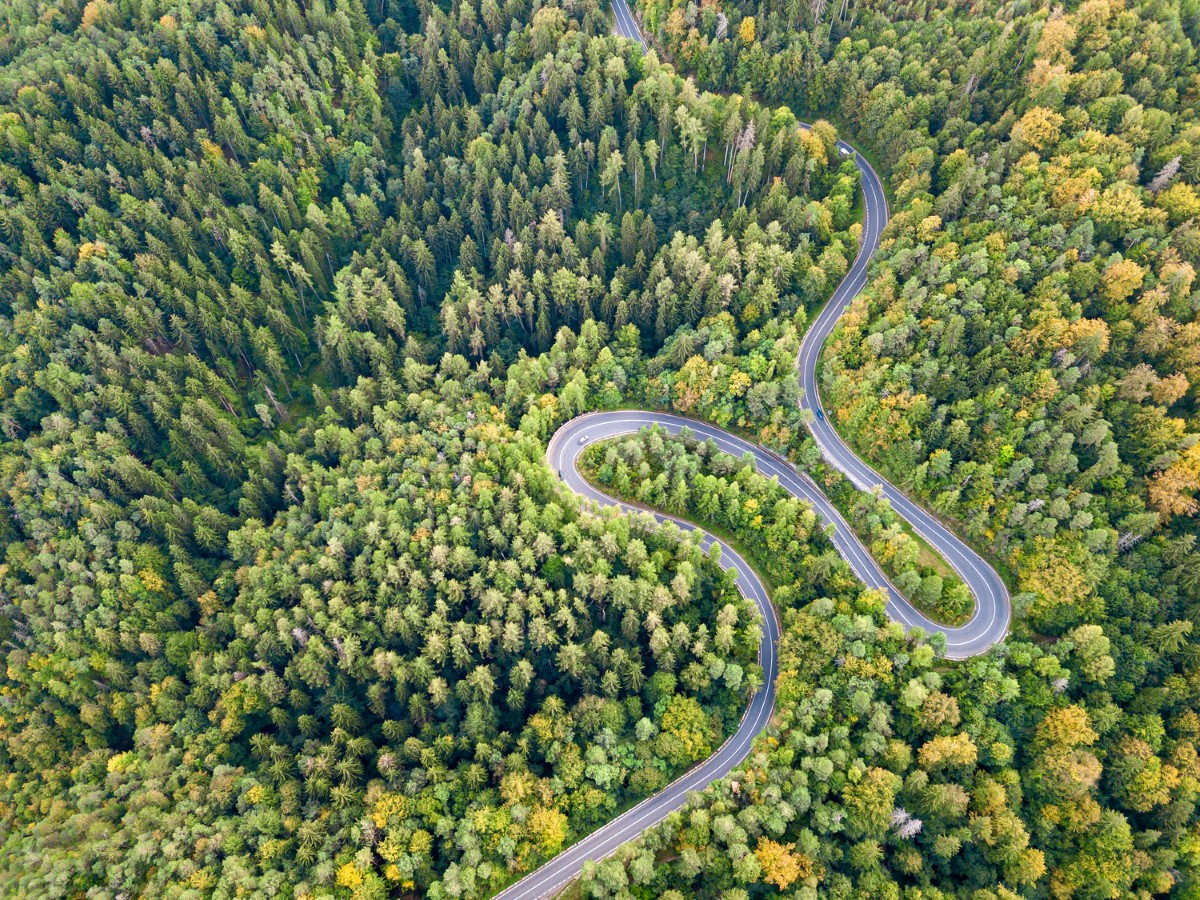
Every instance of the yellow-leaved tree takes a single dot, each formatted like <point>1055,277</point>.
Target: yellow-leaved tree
<point>781,865</point>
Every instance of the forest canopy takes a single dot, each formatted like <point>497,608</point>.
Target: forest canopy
<point>293,295</point>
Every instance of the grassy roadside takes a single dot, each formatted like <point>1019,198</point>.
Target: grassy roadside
<point>928,561</point>
<point>928,558</point>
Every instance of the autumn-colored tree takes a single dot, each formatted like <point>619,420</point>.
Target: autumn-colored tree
<point>1174,490</point>
<point>1039,128</point>
<point>781,866</point>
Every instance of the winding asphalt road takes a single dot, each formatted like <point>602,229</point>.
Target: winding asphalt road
<point>987,626</point>
<point>993,610</point>
<point>563,453</point>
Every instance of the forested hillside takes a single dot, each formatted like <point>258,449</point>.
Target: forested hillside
<point>1024,360</point>
<point>293,295</point>
<point>293,603</point>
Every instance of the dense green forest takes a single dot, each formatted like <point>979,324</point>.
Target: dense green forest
<point>1025,360</point>
<point>292,296</point>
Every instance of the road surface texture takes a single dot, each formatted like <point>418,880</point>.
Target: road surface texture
<point>987,626</point>
<point>626,25</point>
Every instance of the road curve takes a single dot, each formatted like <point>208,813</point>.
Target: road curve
<point>563,453</point>
<point>993,609</point>
<point>987,626</point>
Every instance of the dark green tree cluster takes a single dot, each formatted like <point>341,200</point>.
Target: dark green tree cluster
<point>582,241</point>
<point>256,585</point>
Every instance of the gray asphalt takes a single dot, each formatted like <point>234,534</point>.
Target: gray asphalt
<point>626,25</point>
<point>987,626</point>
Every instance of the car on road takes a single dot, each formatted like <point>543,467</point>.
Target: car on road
<point>821,414</point>
<point>583,440</point>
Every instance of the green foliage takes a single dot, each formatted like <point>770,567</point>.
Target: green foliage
<point>1022,360</point>
<point>291,297</point>
<point>781,535</point>
<point>695,480</point>
<point>888,772</point>
<point>426,630</point>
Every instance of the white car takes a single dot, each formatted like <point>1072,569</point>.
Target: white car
<point>583,440</point>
